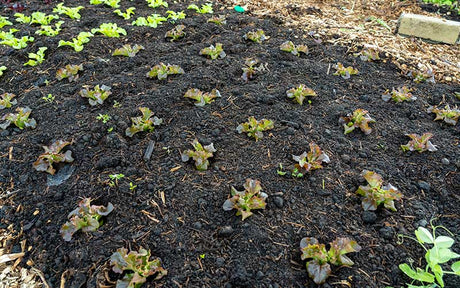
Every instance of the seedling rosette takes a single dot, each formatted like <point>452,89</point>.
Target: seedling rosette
<point>6,100</point>
<point>368,54</point>
<point>375,194</point>
<point>249,70</point>
<point>176,33</point>
<point>53,155</point>
<point>161,71</point>
<point>205,8</point>
<point>399,95</point>
<point>257,36</point>
<point>96,96</point>
<point>128,50</point>
<point>419,143</point>
<point>70,72</point>
<point>20,119</point>
<point>77,43</point>
<point>359,119</point>
<point>200,155</point>
<point>288,46</point>
<point>300,93</point>
<point>151,21</point>
<point>36,58</point>
<point>450,116</point>
<point>311,160</point>
<point>345,72</point>
<point>202,98</point>
<point>109,30</point>
<point>255,128</point>
<point>144,123</point>
<point>245,201</point>
<point>420,76</point>
<point>213,51</point>
<point>86,218</point>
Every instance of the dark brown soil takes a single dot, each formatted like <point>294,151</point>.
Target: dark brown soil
<point>263,250</point>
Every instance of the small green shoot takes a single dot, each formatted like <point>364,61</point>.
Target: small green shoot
<point>7,38</point>
<point>113,182</point>
<point>132,187</point>
<point>36,58</point>
<point>290,47</point>
<point>20,119</point>
<point>245,201</point>
<point>128,50</point>
<point>2,69</point>
<point>6,100</point>
<point>205,8</point>
<point>359,119</point>
<point>144,123</point>
<point>213,51</point>
<point>70,72</point>
<point>202,98</point>
<point>255,128</point>
<point>105,118</point>
<point>127,14</point>
<point>300,93</point>
<point>109,30</point>
<point>161,71</point>
<point>53,155</point>
<point>375,194</point>
<point>48,98</point>
<point>249,69</point>
<point>97,95</point>
<point>419,143</point>
<point>200,155</point>
<point>72,13</point>
<point>344,72</point>
<point>4,22</point>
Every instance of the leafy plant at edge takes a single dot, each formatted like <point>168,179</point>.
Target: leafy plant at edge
<point>200,155</point>
<point>202,98</point>
<point>213,51</point>
<point>53,155</point>
<point>255,128</point>
<point>359,119</point>
<point>2,68</point>
<point>300,93</point>
<point>20,119</point>
<point>343,71</point>
<point>399,95</point>
<point>205,8</point>
<point>72,13</point>
<point>16,43</point>
<point>97,95</point>
<point>157,3</point>
<point>174,16</point>
<point>36,58</point>
<point>128,50</point>
<point>151,21</point>
<point>70,72</point>
<point>368,54</point>
<point>110,3</point>
<point>420,76</point>
<point>161,71</point>
<point>109,30</point>
<point>175,33</point>
<point>4,21</point>
<point>288,46</point>
<point>77,43</point>
<point>419,143</point>
<point>143,123</point>
<point>6,100</point>
<point>450,116</point>
<point>311,160</point>
<point>35,18</point>
<point>375,194</point>
<point>127,14</point>
<point>257,36</point>
<point>49,30</point>
<point>245,201</point>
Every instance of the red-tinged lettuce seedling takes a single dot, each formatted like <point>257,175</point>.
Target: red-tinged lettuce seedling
<point>70,72</point>
<point>300,93</point>
<point>311,160</point>
<point>202,98</point>
<point>6,100</point>
<point>450,116</point>
<point>420,76</point>
<point>319,267</point>
<point>109,30</point>
<point>288,46</point>
<point>144,123</point>
<point>245,201</point>
<point>375,194</point>
<point>249,70</point>
<point>161,71</point>
<point>53,155</point>
<point>257,36</point>
<point>200,155</point>
<point>255,128</point>
<point>218,20</point>
<point>368,54</point>
<point>213,51</point>
<point>20,119</point>
<point>138,267</point>
<point>176,33</point>
<point>97,95</point>
<point>86,217</point>
<point>345,72</point>
<point>359,119</point>
<point>128,50</point>
<point>399,95</point>
<point>419,143</point>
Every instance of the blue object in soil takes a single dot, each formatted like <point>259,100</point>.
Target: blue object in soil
<point>239,9</point>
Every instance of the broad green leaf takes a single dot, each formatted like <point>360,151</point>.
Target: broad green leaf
<point>444,242</point>
<point>456,268</point>
<point>438,273</point>
<point>423,235</point>
<point>418,275</point>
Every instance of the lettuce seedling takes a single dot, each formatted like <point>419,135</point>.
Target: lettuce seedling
<point>151,21</point>
<point>200,155</point>
<point>368,54</point>
<point>72,13</point>
<point>399,95</point>
<point>109,30</point>
<point>202,98</point>
<point>257,36</point>
<point>70,72</point>
<point>128,50</point>
<point>288,46</point>
<point>300,93</point>
<point>110,3</point>
<point>53,155</point>
<point>344,72</point>
<point>49,30</point>
<point>176,33</point>
<point>419,143</point>
<point>2,68</point>
<point>218,20</point>
<point>4,22</point>
<point>36,58</point>
<point>7,38</point>
<point>311,160</point>
<point>319,267</point>
<point>41,18</point>
<point>450,116</point>
<point>6,100</point>
<point>174,16</point>
<point>213,51</point>
<point>375,194</point>
<point>77,43</point>
<point>138,265</point>
<point>21,18</point>
<point>144,123</point>
<point>86,217</point>
<point>157,3</point>
<point>420,76</point>
<point>97,95</point>
<point>20,119</point>
<point>359,119</point>
<point>161,71</point>
<point>127,14</point>
<point>249,70</point>
<point>255,128</point>
<point>205,8</point>
<point>247,200</point>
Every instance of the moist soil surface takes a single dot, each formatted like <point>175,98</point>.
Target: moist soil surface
<point>175,210</point>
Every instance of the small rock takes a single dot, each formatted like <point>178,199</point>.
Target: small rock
<point>425,186</point>
<point>369,217</point>
<point>260,275</point>
<point>421,223</point>
<point>279,202</point>
<point>220,262</point>
<point>327,131</point>
<point>387,232</point>
<point>290,131</point>
<point>226,231</point>
<point>345,158</point>
<point>445,161</point>
<point>197,225</point>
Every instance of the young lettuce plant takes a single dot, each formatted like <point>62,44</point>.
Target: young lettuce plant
<point>36,58</point>
<point>138,265</point>
<point>97,95</point>
<point>255,128</point>
<point>368,55</point>
<point>109,30</point>
<point>213,51</point>
<point>244,201</point>
<point>249,70</point>
<point>450,116</point>
<point>312,160</point>
<point>128,50</point>
<point>419,143</point>
<point>319,267</point>
<point>205,8</point>
<point>49,31</point>
<point>399,95</point>
<point>110,3</point>
<point>288,46</point>
<point>70,72</point>
<point>53,155</point>
<point>72,13</point>
<point>151,21</point>
<point>257,36</point>
<point>7,38</point>
<point>420,76</point>
<point>375,194</point>
<point>4,22</point>
<point>359,119</point>
<point>144,123</point>
<point>6,100</point>
<point>343,71</point>
<point>35,18</point>
<point>127,14</point>
<point>200,155</point>
<point>20,119</point>
<point>300,93</point>
<point>161,71</point>
<point>86,217</point>
<point>157,3</point>
<point>176,33</point>
<point>174,16</point>
<point>202,98</point>
<point>2,69</point>
<point>77,43</point>
<point>218,20</point>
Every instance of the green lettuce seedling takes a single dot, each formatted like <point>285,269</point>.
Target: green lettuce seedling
<point>368,54</point>
<point>72,13</point>
<point>245,201</point>
<point>344,72</point>
<point>6,100</point>
<point>4,22</point>
<point>375,194</point>
<point>53,155</point>
<point>109,30</point>
<point>36,58</point>
<point>419,143</point>
<point>450,116</point>
<point>257,36</point>
<point>70,72</point>
<point>49,30</point>
<point>157,3</point>
<point>300,93</point>
<point>127,14</point>
<point>205,8</point>
<point>359,119</point>
<point>20,119</point>
<point>110,3</point>
<point>138,266</point>
<point>128,50</point>
<point>144,123</point>
<point>21,18</point>
<point>151,21</point>
<point>86,217</point>
<point>218,20</point>
<point>77,43</point>
<point>176,33</point>
<point>41,18</point>
<point>213,51</point>
<point>255,128</point>
<point>2,68</point>
<point>202,98</point>
<point>319,267</point>
<point>97,95</point>
<point>161,71</point>
<point>399,95</point>
<point>7,38</point>
<point>200,155</point>
<point>174,16</point>
<point>312,160</point>
<point>288,46</point>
